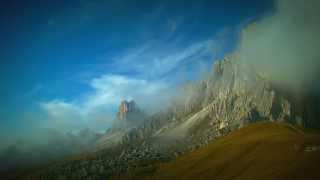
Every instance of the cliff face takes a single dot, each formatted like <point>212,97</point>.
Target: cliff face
<point>232,96</point>
<point>129,116</point>
<point>235,95</point>
<point>126,109</point>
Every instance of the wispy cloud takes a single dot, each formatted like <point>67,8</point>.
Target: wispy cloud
<point>156,59</point>
<point>62,115</point>
<point>98,106</point>
<point>111,89</point>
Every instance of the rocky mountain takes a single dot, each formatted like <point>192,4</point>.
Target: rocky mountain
<point>129,116</point>
<point>126,109</point>
<point>232,96</point>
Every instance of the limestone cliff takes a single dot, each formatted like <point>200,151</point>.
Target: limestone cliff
<point>128,117</point>
<point>232,96</point>
<point>126,109</point>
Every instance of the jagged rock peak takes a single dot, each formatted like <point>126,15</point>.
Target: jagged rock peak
<point>125,108</point>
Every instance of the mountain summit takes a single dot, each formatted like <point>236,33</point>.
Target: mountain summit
<point>129,115</point>
<point>127,109</point>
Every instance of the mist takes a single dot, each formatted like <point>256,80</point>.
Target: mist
<point>284,46</point>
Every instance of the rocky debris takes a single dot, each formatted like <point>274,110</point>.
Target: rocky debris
<point>148,128</point>
<point>113,161</point>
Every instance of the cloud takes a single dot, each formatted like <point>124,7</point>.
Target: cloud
<point>156,59</point>
<point>285,45</point>
<point>111,89</point>
<point>97,108</point>
<point>62,115</point>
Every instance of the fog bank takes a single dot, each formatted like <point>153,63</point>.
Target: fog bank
<point>284,46</point>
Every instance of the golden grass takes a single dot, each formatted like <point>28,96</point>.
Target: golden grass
<point>259,151</point>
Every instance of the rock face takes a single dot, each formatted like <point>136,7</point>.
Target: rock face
<point>234,96</point>
<point>126,109</point>
<point>231,97</point>
<point>129,116</point>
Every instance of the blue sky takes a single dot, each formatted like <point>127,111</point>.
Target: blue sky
<point>65,64</point>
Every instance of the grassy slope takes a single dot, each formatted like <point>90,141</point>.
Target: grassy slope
<point>259,151</point>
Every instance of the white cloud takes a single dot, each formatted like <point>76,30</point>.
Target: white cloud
<point>285,45</point>
<point>156,59</point>
<point>95,108</point>
<point>57,108</point>
<point>170,62</point>
<point>62,115</point>
<point>111,89</point>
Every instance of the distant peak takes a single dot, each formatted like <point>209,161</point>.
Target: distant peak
<point>125,108</point>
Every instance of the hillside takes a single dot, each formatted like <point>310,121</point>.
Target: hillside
<point>259,151</point>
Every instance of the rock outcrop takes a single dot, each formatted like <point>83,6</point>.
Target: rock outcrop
<point>126,110</point>
<point>129,116</point>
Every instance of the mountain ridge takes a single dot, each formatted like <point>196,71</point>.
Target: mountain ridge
<point>233,96</point>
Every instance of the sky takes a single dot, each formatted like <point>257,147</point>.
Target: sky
<point>67,65</point>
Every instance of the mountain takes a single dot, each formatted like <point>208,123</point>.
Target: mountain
<point>234,95</point>
<point>129,116</point>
